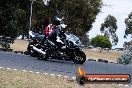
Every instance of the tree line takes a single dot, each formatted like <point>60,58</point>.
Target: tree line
<point>108,28</point>
<point>79,16</point>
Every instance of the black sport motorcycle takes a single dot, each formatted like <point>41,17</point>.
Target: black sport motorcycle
<point>70,51</point>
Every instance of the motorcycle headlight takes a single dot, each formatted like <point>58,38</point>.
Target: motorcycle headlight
<point>71,43</point>
<point>77,42</point>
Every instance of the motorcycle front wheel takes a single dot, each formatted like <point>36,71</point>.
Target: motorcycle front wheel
<point>79,57</point>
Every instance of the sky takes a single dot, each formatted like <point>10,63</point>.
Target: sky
<point>119,9</point>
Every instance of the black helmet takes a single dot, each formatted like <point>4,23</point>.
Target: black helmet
<point>56,20</point>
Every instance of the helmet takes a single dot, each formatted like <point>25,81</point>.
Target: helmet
<point>56,21</point>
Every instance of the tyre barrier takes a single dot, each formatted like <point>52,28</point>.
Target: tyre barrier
<point>113,62</point>
<point>101,60</point>
<point>105,61</point>
<point>26,53</point>
<point>91,60</point>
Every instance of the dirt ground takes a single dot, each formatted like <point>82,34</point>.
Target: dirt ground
<point>21,45</point>
<point>110,56</point>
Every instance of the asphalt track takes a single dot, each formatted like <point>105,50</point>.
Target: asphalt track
<point>25,62</point>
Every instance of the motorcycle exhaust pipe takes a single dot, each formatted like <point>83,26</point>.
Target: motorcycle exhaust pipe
<point>39,50</point>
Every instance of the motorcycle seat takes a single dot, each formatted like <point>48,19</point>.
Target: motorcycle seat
<point>39,37</point>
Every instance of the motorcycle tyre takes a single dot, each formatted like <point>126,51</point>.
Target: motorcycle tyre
<point>82,56</point>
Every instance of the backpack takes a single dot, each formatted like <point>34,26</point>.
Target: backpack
<point>49,29</point>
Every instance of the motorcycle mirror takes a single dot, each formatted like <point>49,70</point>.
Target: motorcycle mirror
<point>63,25</point>
<point>31,34</point>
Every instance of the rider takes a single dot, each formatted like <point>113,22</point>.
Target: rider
<point>47,30</point>
<point>55,34</point>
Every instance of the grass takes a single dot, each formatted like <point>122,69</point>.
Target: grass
<point>19,79</point>
<point>19,45</point>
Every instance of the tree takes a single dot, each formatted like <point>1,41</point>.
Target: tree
<point>101,41</point>
<point>85,40</point>
<point>12,17</point>
<point>128,22</point>
<point>109,28</point>
<point>79,14</point>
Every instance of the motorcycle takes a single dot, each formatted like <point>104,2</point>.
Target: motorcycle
<point>71,50</point>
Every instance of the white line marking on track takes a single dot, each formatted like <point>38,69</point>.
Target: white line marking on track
<point>59,75</point>
<point>46,73</point>
<point>74,78</point>
<point>65,76</point>
<point>15,69</point>
<point>8,68</point>
<point>120,84</point>
<point>31,71</point>
<point>37,72</point>
<point>126,85</point>
<point>52,74</point>
<point>1,67</point>
<point>24,71</point>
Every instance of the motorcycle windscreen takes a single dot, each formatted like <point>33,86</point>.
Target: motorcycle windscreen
<point>74,39</point>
